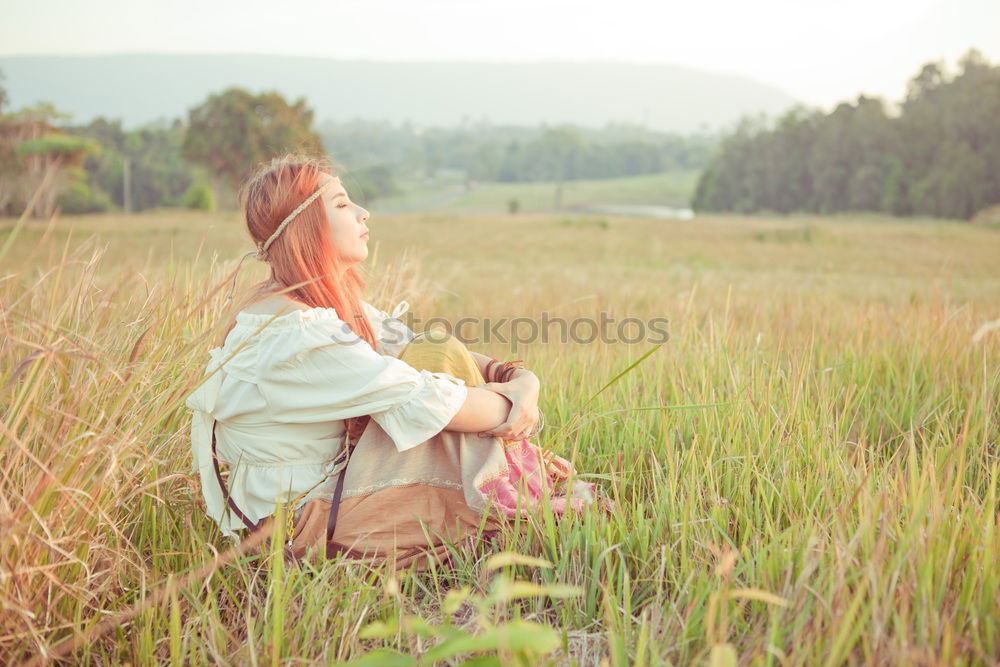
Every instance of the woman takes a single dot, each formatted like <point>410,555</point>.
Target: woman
<point>378,442</point>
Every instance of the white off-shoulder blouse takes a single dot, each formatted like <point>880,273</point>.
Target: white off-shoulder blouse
<point>278,392</point>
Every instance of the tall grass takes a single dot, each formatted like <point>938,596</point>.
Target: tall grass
<point>807,472</point>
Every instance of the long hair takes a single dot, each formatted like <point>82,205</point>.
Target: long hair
<point>302,257</point>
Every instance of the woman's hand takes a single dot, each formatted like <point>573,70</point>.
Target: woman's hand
<point>522,391</point>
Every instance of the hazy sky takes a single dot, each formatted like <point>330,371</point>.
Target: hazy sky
<point>818,51</point>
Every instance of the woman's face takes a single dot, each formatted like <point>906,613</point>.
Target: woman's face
<point>348,231</point>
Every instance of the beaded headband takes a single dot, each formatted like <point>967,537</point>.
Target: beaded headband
<point>261,252</point>
<point>262,248</point>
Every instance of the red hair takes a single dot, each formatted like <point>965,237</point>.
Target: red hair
<point>303,254</point>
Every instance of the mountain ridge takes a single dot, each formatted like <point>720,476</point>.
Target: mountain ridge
<point>140,88</point>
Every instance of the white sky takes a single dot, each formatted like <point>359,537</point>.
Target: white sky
<point>818,51</point>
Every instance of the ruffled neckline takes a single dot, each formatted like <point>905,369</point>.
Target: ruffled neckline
<point>293,318</point>
<point>253,328</point>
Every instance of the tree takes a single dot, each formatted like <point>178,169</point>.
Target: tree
<point>57,158</point>
<point>233,131</point>
<point>35,154</point>
<point>939,157</point>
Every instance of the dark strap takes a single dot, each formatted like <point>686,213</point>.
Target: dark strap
<point>331,522</point>
<point>225,490</point>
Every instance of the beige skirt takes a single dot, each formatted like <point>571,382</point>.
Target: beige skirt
<point>412,507</point>
<point>407,507</point>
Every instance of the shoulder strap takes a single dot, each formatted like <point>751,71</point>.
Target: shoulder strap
<point>225,490</point>
<point>331,522</point>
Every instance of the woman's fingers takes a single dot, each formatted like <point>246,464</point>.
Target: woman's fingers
<point>523,417</point>
<point>508,431</point>
<point>516,428</point>
<point>529,425</point>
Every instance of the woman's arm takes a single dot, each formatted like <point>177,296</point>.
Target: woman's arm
<point>481,361</point>
<point>521,392</point>
<point>482,410</point>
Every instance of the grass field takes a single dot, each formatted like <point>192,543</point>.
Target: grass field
<point>807,472</point>
<point>674,189</point>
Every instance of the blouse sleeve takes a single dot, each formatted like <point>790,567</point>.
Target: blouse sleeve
<point>391,333</point>
<point>334,374</point>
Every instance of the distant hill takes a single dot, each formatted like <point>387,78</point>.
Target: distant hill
<point>145,87</point>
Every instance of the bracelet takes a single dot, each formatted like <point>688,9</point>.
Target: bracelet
<point>541,425</point>
<point>500,371</point>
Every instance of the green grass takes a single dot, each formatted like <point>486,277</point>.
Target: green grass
<point>674,188</point>
<point>836,502</point>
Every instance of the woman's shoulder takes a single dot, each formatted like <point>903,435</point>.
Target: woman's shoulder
<point>275,304</point>
<point>263,340</point>
<point>273,328</point>
<point>277,311</point>
<point>280,305</point>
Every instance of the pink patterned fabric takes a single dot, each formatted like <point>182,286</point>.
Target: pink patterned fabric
<point>534,473</point>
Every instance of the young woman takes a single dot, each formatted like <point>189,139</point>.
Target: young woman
<point>380,443</point>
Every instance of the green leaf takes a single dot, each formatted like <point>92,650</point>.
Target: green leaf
<point>514,636</point>
<point>379,630</point>
<point>624,372</point>
<point>384,657</point>
<point>482,661</point>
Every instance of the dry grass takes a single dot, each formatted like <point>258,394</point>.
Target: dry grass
<point>838,503</point>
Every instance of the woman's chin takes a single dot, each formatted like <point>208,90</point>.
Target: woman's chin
<point>357,259</point>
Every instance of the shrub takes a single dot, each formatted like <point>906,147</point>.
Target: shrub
<point>79,198</point>
<point>200,197</point>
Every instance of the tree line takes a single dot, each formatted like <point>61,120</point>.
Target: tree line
<point>193,162</point>
<point>939,155</point>
<point>485,152</point>
<point>47,163</point>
